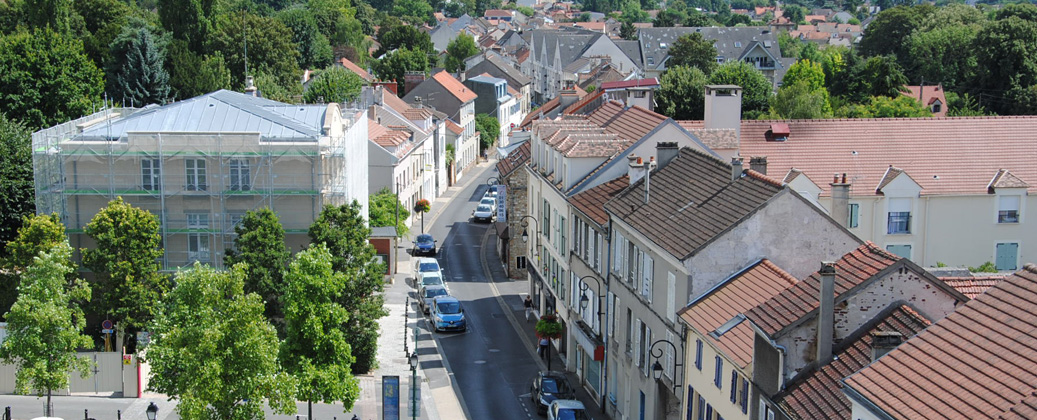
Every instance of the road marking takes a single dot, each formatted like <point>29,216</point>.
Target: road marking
<point>480,362</point>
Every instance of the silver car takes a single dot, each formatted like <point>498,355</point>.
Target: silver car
<point>483,213</point>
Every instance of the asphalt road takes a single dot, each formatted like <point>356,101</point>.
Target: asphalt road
<point>490,364</point>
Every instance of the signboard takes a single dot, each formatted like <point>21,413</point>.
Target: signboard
<point>502,198</point>
<point>107,324</point>
<point>390,398</point>
<point>127,359</point>
<point>143,339</point>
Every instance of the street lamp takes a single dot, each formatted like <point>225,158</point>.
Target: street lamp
<point>584,301</point>
<point>413,360</point>
<point>152,411</point>
<point>657,368</point>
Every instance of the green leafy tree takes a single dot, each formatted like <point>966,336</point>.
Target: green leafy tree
<point>458,50</point>
<point>526,10</point>
<point>316,350</point>
<point>415,12</point>
<point>343,230</point>
<point>886,107</point>
<point>699,19</point>
<point>693,50</point>
<point>676,86</point>
<point>260,245</point>
<point>669,17</point>
<point>794,13</point>
<point>270,49</point>
<point>17,192</point>
<point>937,56</point>
<point>963,105</point>
<point>633,13</point>
<point>812,75</point>
<point>38,233</point>
<point>489,130</point>
<point>271,88</point>
<point>1024,11</point>
<point>756,89</point>
<point>885,76</point>
<point>382,211</point>
<point>54,14</point>
<point>1001,68</point>
<point>136,75</point>
<point>888,34</point>
<point>124,261</point>
<point>190,20</point>
<point>44,326</point>
<point>627,31</point>
<point>334,84</point>
<point>212,350</point>
<point>191,74</point>
<point>46,78</point>
<point>313,46</point>
<point>395,64</point>
<point>103,21</point>
<point>403,37</point>
<point>799,101</point>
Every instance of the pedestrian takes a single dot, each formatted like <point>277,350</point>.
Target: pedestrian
<point>542,349</point>
<point>529,308</point>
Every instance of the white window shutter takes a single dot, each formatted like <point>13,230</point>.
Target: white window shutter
<point>671,296</point>
<point>637,342</point>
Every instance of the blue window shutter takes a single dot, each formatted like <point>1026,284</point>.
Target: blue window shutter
<point>734,385</point>
<point>718,376</point>
<point>698,354</point>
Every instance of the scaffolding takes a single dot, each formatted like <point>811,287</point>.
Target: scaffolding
<point>198,184</point>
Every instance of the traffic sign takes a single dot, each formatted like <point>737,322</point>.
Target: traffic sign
<point>107,324</point>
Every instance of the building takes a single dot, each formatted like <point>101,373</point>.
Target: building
<point>512,250</point>
<point>496,66</point>
<point>756,45</point>
<point>200,164</point>
<point>494,99</point>
<point>640,92</point>
<point>449,96</point>
<point>551,51</point>
<point>931,97</point>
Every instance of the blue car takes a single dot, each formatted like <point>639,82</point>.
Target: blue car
<point>447,314</point>
<point>424,244</point>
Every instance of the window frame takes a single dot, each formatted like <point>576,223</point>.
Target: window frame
<point>151,174</point>
<point>1003,215</point>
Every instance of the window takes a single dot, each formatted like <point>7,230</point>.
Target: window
<point>638,331</point>
<point>1007,256</point>
<point>646,277</point>
<point>546,219</point>
<point>744,395</point>
<point>698,354</point>
<point>702,412</point>
<point>734,386</point>
<point>718,374</point>
<point>903,251</point>
<point>240,175</point>
<point>151,174</point>
<point>631,263</point>
<point>709,412</point>
<point>562,234</point>
<point>899,221</point>
<point>671,296</point>
<point>196,180</point>
<point>630,331</point>
<point>520,262</point>
<point>691,403</point>
<point>1008,209</point>
<point>670,365</point>
<point>646,346</point>
<point>613,303</point>
<point>197,220</point>
<point>855,212</point>
<point>936,107</point>
<point>197,242</point>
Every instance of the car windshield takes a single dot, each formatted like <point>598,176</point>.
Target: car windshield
<point>448,307</point>
<point>425,239</point>
<point>570,414</point>
<point>552,386</point>
<point>430,280</point>
<point>483,207</point>
<point>428,267</point>
<point>433,292</point>
<point>487,201</point>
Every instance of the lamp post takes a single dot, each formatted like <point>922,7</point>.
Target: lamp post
<point>152,411</point>
<point>413,360</point>
<point>657,368</point>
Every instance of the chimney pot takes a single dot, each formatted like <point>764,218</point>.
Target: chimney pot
<point>840,210</point>
<point>758,164</point>
<point>826,313</point>
<point>736,168</point>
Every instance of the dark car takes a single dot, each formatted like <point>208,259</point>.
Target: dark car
<point>424,244</point>
<point>427,293</point>
<point>447,314</point>
<point>550,386</point>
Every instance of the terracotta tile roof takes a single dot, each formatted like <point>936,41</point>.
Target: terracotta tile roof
<point>853,269</point>
<point>692,200</point>
<point>743,291</point>
<point>374,129</point>
<point>456,88</point>
<point>1025,410</point>
<point>972,286</point>
<point>356,69</point>
<point>591,26</point>
<point>513,92</point>
<point>592,202</point>
<point>1005,179</point>
<point>632,123</point>
<point>891,174</point>
<point>927,95</point>
<point>793,174</point>
<point>961,154</point>
<point>497,13</point>
<point>581,145</point>
<point>818,394</point>
<point>623,84</point>
<point>714,138</point>
<point>515,160</point>
<point>977,363</point>
<point>417,114</point>
<point>453,127</point>
<point>544,109</point>
<point>576,106</point>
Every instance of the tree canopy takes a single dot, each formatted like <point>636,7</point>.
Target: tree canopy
<point>458,50</point>
<point>676,86</point>
<point>260,245</point>
<point>135,71</point>
<point>17,191</point>
<point>693,50</point>
<point>334,84</point>
<point>382,208</point>
<point>489,130</point>
<point>756,89</point>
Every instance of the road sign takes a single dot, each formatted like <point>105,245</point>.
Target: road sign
<point>107,330</point>
<point>391,398</point>
<point>107,324</point>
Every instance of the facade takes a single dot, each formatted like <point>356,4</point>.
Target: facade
<point>514,252</point>
<point>494,99</point>
<point>402,150</point>
<point>446,94</point>
<point>497,67</point>
<point>757,45</point>
<point>552,50</point>
<point>200,164</point>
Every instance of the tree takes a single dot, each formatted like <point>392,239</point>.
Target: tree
<point>382,210</point>
<point>316,350</point>
<point>191,74</point>
<point>103,21</point>
<point>1000,67</point>
<point>669,17</point>
<point>889,32</point>
<point>125,264</point>
<point>937,56</point>
<point>46,78</point>
<point>53,14</point>
<point>799,101</point>
<point>886,107</point>
<point>135,73</point>
<point>313,46</point>
<point>627,31</point>
<point>189,20</point>
<point>395,64</point>
<point>270,48</point>
<point>676,88</point>
<point>633,13</point>
<point>693,50</point>
<point>812,75</point>
<point>403,36</point>
<point>334,84</point>
<point>343,230</point>
<point>489,130</point>
<point>756,89</point>
<point>458,50</point>
<point>44,325</point>
<point>38,234</point>
<point>212,350</point>
<point>261,247</point>
<point>885,76</point>
<point>17,191</point>
<point>794,13</point>
<point>415,12</point>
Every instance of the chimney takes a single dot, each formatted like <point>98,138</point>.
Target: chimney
<point>372,113</point>
<point>411,80</point>
<point>758,164</point>
<point>250,86</point>
<point>724,108</point>
<point>417,102</point>
<point>826,313</point>
<point>883,342</point>
<point>840,200</point>
<point>736,168</point>
<point>648,176</point>
<point>667,151</point>
<point>566,98</point>
<point>636,168</point>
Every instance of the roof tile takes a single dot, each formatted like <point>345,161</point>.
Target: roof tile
<point>455,87</point>
<point>592,202</point>
<point>515,159</point>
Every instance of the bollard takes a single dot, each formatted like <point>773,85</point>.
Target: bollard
<point>7,413</point>
<point>86,415</point>
<point>118,414</point>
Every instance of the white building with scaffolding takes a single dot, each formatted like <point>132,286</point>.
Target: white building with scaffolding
<point>200,164</point>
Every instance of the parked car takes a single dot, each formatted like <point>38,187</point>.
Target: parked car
<point>447,314</point>
<point>425,265</point>
<point>483,213</point>
<point>489,201</point>
<point>567,410</point>
<point>424,244</point>
<point>433,278</point>
<point>427,293</point>
<point>491,193</point>
<point>550,386</point>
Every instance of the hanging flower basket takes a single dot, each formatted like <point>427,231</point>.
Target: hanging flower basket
<point>422,206</point>
<point>549,327</point>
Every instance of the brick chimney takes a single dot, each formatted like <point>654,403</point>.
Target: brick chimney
<point>758,164</point>
<point>724,107</point>
<point>667,151</point>
<point>840,200</point>
<point>736,168</point>
<point>411,80</point>
<point>826,313</point>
